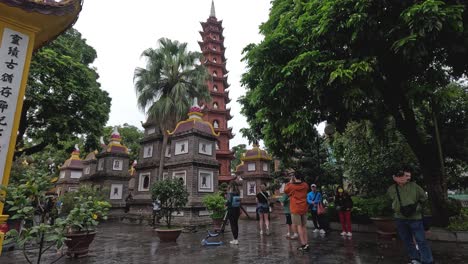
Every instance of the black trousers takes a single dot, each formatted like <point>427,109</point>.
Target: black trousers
<point>233,216</point>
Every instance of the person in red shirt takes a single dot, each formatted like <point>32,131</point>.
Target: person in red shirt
<point>297,191</point>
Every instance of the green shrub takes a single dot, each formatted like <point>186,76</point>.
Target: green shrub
<point>459,222</point>
<point>215,204</point>
<point>373,207</point>
<point>454,207</point>
<point>69,198</point>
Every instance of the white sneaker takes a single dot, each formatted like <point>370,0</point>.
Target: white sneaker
<point>349,234</point>
<point>294,236</point>
<point>234,242</point>
<point>288,235</point>
<point>415,262</point>
<point>322,231</point>
<point>261,232</point>
<point>316,230</point>
<point>343,233</point>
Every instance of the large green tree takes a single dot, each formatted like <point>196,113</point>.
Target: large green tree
<point>63,98</point>
<point>342,60</point>
<point>173,77</point>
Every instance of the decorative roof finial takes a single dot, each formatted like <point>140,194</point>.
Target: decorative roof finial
<point>212,12</point>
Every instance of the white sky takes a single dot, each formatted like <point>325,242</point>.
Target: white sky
<point>121,30</point>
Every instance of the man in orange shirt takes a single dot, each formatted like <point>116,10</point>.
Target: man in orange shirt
<point>297,191</point>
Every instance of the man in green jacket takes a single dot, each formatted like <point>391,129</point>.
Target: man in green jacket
<point>407,200</point>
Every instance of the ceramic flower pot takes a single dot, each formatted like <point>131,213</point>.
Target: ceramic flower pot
<point>168,235</point>
<point>385,226</point>
<point>78,243</point>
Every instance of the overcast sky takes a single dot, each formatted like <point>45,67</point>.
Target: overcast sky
<point>121,30</point>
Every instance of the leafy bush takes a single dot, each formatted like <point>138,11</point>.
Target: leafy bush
<point>215,204</point>
<point>173,196</point>
<point>459,222</point>
<point>373,207</point>
<point>454,207</point>
<point>69,199</point>
<point>86,214</point>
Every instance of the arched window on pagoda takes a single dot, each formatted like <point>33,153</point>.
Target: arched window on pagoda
<point>215,74</point>
<point>214,60</point>
<point>215,88</point>
<point>213,48</point>
<point>216,124</point>
<point>215,105</point>
<point>217,145</point>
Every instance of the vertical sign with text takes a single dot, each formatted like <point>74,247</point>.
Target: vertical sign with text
<point>13,51</point>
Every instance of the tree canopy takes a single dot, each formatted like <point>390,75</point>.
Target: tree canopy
<point>166,87</point>
<point>63,98</point>
<point>344,60</point>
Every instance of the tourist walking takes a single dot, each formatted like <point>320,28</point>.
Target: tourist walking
<point>297,190</point>
<point>344,205</point>
<point>263,208</point>
<point>314,198</point>
<point>233,207</point>
<point>284,200</point>
<point>407,202</point>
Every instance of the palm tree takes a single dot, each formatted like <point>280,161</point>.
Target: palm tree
<point>173,77</point>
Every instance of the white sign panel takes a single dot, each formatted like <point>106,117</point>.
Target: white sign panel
<point>12,59</point>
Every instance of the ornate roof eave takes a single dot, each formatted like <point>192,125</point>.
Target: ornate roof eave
<point>193,120</point>
<point>47,20</point>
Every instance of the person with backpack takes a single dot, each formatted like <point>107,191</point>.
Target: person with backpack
<point>314,198</point>
<point>233,207</point>
<point>344,204</point>
<point>263,208</point>
<point>407,198</point>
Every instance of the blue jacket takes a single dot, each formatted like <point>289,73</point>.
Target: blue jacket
<point>315,197</point>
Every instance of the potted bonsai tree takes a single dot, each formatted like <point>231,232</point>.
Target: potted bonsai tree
<point>80,224</point>
<point>173,196</point>
<point>214,203</point>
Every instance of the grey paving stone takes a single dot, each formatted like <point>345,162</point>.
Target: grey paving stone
<point>123,243</point>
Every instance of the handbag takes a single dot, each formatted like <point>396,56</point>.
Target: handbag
<point>406,210</point>
<point>320,209</point>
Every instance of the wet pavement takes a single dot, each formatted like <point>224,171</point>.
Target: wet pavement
<point>122,243</point>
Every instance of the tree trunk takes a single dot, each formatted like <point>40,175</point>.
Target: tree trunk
<point>163,155</point>
<point>436,185</point>
<point>427,154</point>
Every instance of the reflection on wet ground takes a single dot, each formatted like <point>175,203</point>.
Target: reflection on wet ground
<point>121,243</point>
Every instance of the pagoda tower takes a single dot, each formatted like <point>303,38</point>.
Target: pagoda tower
<point>216,112</point>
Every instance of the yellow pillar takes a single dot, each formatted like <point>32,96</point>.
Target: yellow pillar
<point>16,47</point>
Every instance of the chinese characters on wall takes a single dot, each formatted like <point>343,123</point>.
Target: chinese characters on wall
<point>13,51</point>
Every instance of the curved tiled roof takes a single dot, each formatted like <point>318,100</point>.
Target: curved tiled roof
<point>74,162</point>
<point>256,153</point>
<point>194,122</point>
<point>46,7</point>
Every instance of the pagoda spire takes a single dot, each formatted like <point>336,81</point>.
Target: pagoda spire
<point>212,12</point>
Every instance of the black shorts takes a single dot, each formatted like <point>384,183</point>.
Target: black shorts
<point>288,219</point>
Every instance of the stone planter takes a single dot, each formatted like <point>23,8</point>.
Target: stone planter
<point>385,226</point>
<point>78,243</point>
<point>168,235</point>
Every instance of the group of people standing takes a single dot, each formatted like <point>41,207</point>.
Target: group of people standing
<point>297,201</point>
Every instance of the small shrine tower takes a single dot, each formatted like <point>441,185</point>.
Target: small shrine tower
<point>70,173</point>
<point>112,171</point>
<point>193,144</point>
<point>254,171</point>
<point>216,112</point>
